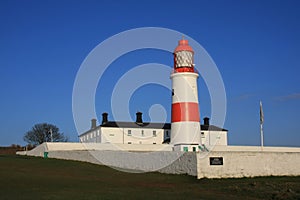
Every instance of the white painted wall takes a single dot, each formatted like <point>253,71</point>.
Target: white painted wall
<point>254,149</point>
<point>212,138</point>
<point>117,135</point>
<point>111,135</point>
<point>238,161</point>
<point>162,161</point>
<point>69,146</point>
<point>249,162</point>
<point>91,136</point>
<point>143,136</point>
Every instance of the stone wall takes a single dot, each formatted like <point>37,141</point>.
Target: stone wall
<point>248,164</point>
<point>237,161</point>
<point>164,162</point>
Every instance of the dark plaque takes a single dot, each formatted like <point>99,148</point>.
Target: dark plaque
<point>216,160</point>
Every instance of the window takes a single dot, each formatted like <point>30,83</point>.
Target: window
<point>142,132</point>
<point>129,133</point>
<point>154,133</point>
<point>194,148</point>
<point>154,142</point>
<point>202,135</point>
<point>129,142</point>
<point>186,149</point>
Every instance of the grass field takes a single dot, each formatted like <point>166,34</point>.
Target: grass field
<point>24,177</point>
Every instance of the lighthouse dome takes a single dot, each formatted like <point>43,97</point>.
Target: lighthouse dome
<point>183,45</point>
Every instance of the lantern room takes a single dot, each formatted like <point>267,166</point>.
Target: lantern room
<point>183,57</point>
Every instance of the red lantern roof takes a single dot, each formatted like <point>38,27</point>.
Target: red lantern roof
<point>183,45</point>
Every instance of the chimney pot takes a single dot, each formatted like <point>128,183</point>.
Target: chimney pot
<point>104,118</point>
<point>93,125</point>
<point>139,118</point>
<point>206,121</point>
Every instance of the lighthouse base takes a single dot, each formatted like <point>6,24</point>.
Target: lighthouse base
<point>185,133</point>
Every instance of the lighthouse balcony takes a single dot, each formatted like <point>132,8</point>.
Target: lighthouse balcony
<point>184,69</point>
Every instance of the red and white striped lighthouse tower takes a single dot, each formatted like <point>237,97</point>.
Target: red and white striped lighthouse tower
<point>185,127</point>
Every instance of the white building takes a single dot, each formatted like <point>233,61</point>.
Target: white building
<point>139,132</point>
<point>212,135</point>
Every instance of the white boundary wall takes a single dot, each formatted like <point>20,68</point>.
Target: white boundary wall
<point>238,161</point>
<point>247,161</point>
<point>162,161</point>
<point>68,146</point>
<point>124,157</point>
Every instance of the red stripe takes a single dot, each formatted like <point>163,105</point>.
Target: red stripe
<point>185,111</point>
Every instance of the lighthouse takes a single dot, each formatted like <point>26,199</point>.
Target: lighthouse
<point>185,122</point>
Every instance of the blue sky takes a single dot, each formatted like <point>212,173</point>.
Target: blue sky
<point>255,44</point>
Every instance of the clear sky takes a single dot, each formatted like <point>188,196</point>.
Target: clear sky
<point>255,44</point>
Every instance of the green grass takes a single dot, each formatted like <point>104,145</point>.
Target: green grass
<point>24,177</point>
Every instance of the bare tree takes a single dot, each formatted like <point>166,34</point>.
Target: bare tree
<point>44,133</point>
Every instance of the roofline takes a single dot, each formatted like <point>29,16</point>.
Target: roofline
<point>103,125</point>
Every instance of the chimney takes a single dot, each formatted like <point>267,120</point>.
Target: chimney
<point>104,118</point>
<point>93,123</point>
<point>139,118</point>
<point>206,121</point>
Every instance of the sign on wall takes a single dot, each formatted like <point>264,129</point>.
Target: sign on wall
<point>216,160</point>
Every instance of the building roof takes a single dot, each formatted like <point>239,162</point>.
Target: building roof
<point>154,125</point>
<point>136,125</point>
<point>150,125</point>
<point>212,128</point>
